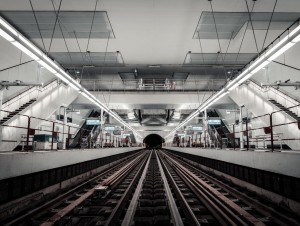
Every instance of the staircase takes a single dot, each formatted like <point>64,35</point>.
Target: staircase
<point>284,109</point>
<point>48,99</point>
<point>260,101</point>
<point>12,114</point>
<point>85,130</point>
<point>222,129</point>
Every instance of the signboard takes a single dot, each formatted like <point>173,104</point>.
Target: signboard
<point>93,122</point>
<point>214,121</point>
<point>109,128</point>
<point>126,135</point>
<point>117,132</point>
<point>189,132</point>
<point>181,134</point>
<point>197,128</point>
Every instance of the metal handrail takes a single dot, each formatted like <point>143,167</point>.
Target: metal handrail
<point>25,94</point>
<point>284,95</point>
<point>276,92</point>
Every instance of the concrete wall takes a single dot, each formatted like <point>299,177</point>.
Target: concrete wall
<point>19,163</point>
<point>286,163</point>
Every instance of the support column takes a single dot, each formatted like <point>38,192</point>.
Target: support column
<point>64,125</point>
<point>101,127</point>
<point>1,113</point>
<point>205,128</point>
<point>241,128</point>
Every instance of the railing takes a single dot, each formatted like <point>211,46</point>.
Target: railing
<point>32,93</point>
<point>261,132</point>
<point>153,84</point>
<point>58,130</point>
<point>277,95</point>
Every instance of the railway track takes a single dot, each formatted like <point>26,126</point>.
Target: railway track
<point>154,188</point>
<point>58,208</point>
<point>227,205</point>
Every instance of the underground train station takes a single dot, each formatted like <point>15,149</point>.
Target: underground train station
<point>137,113</point>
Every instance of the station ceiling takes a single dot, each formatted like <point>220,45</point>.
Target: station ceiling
<point>147,46</point>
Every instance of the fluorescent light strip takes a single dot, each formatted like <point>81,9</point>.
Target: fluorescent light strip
<point>74,86</point>
<point>282,50</point>
<point>61,78</point>
<point>247,73</point>
<point>6,36</point>
<point>49,64</point>
<point>8,26</point>
<point>297,39</point>
<point>87,96</point>
<point>25,50</point>
<point>29,44</point>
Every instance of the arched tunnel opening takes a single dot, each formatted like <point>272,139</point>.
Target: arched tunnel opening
<point>153,141</point>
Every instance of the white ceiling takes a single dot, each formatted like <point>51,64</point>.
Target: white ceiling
<point>158,31</point>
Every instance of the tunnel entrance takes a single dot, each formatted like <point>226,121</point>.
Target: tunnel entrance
<point>153,141</point>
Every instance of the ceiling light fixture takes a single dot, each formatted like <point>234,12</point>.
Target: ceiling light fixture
<point>263,60</point>
<point>18,40</point>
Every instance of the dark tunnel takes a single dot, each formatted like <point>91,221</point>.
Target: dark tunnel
<point>153,141</point>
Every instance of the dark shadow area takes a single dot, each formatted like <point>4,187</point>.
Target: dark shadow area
<point>153,141</point>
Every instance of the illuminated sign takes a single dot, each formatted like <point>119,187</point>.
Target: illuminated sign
<point>181,134</point>
<point>117,132</point>
<point>125,135</point>
<point>109,128</point>
<point>214,121</point>
<point>197,128</point>
<point>93,122</point>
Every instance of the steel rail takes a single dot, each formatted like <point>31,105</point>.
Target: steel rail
<point>127,221</point>
<point>221,217</point>
<point>53,202</point>
<point>114,216</point>
<point>266,210</point>
<point>107,182</point>
<point>188,210</point>
<point>224,203</point>
<point>173,208</point>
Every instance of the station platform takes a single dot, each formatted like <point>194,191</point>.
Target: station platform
<point>15,164</point>
<point>284,162</point>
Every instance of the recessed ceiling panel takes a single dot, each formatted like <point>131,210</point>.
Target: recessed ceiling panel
<point>218,58</point>
<point>93,59</point>
<point>127,75</point>
<point>180,75</point>
<point>73,23</point>
<point>228,24</point>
